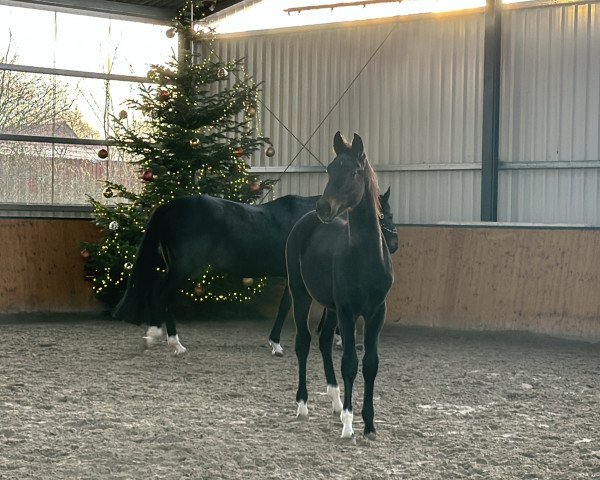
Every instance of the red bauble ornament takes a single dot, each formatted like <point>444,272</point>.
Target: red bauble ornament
<point>85,254</point>
<point>103,153</point>
<point>254,187</point>
<point>164,95</point>
<point>148,176</point>
<point>238,151</point>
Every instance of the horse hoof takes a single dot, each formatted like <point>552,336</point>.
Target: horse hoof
<point>179,350</point>
<point>152,337</point>
<point>276,349</point>
<point>149,342</point>
<point>371,436</point>
<point>173,342</point>
<point>336,403</point>
<point>346,417</point>
<point>302,413</point>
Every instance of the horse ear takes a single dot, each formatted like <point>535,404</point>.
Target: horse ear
<point>357,146</point>
<point>386,196</point>
<point>339,144</point>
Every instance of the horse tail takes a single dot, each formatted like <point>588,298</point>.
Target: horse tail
<point>141,284</point>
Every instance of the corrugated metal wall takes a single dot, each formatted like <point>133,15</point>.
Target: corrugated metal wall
<point>550,115</point>
<point>411,89</point>
<point>417,104</point>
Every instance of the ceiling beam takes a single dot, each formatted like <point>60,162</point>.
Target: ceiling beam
<point>101,8</point>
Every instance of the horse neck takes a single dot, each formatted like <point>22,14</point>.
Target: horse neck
<point>363,221</point>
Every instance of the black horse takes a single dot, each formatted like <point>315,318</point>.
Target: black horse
<point>390,234</point>
<point>337,256</point>
<point>189,233</point>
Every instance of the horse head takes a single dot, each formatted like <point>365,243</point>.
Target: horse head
<point>386,222</point>
<point>348,175</point>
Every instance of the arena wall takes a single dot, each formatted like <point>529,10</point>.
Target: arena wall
<point>42,269</point>
<point>538,280</point>
<point>542,280</point>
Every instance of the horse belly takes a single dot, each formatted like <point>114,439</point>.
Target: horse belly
<point>318,279</point>
<point>248,261</point>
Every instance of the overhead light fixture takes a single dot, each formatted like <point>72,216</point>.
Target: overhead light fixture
<point>331,6</point>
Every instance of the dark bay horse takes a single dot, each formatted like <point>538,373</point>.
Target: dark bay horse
<point>338,257</point>
<point>390,234</point>
<point>189,233</point>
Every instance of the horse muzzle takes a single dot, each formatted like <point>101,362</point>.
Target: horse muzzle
<point>326,210</point>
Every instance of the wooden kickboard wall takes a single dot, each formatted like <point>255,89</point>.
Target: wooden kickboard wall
<point>41,266</point>
<point>473,278</point>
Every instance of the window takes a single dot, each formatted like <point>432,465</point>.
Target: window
<point>62,78</point>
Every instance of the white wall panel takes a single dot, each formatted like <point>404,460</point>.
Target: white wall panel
<point>550,115</point>
<point>416,103</point>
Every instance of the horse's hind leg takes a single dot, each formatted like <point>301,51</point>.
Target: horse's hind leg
<point>326,327</point>
<point>301,301</point>
<point>282,311</point>
<point>165,298</point>
<point>373,326</point>
<point>172,337</point>
<point>154,333</point>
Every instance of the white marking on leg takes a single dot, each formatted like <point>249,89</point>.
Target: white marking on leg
<point>173,342</point>
<point>276,349</point>
<point>346,417</point>
<point>337,340</point>
<point>153,336</point>
<point>302,413</point>
<point>334,394</point>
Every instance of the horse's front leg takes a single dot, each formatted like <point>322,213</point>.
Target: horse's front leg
<point>282,311</point>
<point>373,326</point>
<point>346,322</point>
<point>326,328</point>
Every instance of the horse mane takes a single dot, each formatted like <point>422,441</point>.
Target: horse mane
<point>371,183</point>
<point>372,186</point>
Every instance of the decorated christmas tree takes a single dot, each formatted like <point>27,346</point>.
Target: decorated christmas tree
<point>199,134</point>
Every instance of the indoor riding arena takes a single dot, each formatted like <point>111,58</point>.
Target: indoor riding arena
<point>155,162</point>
